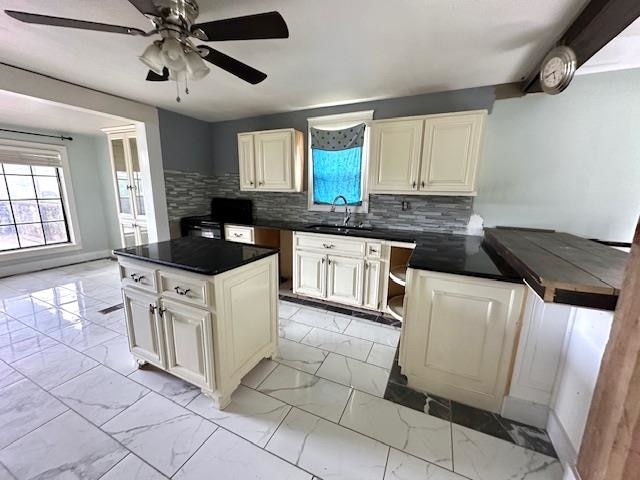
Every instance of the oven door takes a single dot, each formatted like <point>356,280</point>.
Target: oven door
<point>208,232</point>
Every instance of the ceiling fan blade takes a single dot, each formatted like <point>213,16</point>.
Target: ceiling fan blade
<point>233,66</point>
<point>145,7</point>
<point>72,23</point>
<point>250,27</point>
<point>154,77</point>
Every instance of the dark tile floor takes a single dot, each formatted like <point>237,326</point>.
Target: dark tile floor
<point>483,421</point>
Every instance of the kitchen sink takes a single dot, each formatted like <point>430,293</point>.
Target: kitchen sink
<point>324,227</point>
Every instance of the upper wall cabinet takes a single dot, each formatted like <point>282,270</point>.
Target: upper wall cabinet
<point>428,155</point>
<point>271,161</point>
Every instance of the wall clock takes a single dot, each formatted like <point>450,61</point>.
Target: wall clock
<point>557,70</point>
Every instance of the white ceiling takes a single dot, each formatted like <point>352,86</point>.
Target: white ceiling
<point>621,53</point>
<point>32,113</point>
<point>339,51</point>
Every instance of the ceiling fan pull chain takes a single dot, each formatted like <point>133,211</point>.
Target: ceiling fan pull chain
<point>177,90</point>
<point>186,85</point>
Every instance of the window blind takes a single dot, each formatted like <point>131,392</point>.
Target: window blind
<point>41,158</point>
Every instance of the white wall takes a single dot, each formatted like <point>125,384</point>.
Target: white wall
<point>587,337</point>
<point>94,199</point>
<point>569,162</point>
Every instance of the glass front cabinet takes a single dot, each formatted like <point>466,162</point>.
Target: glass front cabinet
<point>128,184</point>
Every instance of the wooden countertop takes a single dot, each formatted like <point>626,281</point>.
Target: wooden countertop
<point>562,268</point>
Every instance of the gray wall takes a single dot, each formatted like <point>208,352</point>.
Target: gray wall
<point>89,166</point>
<point>569,162</point>
<point>186,143</point>
<point>224,147</point>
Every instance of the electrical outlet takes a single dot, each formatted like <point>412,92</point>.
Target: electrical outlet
<point>405,205</point>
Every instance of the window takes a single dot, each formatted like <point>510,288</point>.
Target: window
<point>33,203</point>
<point>338,160</point>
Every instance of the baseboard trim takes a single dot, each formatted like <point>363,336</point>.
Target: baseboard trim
<point>562,444</point>
<point>525,411</point>
<point>59,261</point>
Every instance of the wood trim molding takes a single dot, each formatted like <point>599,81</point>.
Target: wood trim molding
<point>611,444</point>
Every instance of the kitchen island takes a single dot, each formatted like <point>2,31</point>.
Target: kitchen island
<point>201,309</point>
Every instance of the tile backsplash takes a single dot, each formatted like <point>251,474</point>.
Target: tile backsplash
<point>189,194</point>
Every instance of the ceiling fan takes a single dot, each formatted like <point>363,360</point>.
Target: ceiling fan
<point>174,56</point>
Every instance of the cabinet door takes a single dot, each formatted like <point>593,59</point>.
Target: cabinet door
<point>395,156</point>
<point>309,273</point>
<point>143,326</point>
<point>372,284</point>
<point>274,160</point>
<point>189,337</point>
<point>345,279</point>
<point>459,336</point>
<point>135,176</point>
<point>247,161</point>
<point>450,153</point>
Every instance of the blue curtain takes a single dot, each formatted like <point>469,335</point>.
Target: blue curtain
<point>337,172</point>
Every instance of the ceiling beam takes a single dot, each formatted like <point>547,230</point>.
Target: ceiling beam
<point>598,23</point>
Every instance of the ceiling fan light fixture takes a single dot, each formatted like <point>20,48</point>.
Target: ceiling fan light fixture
<point>196,68</point>
<point>173,54</point>
<point>152,58</point>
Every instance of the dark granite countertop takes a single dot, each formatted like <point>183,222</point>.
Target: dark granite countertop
<point>206,256</point>
<point>439,252</point>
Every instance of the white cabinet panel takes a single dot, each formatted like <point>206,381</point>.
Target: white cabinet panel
<point>143,326</point>
<point>273,160</point>
<point>395,155</point>
<point>345,280</point>
<point>188,333</point>
<point>237,233</point>
<point>459,336</point>
<point>450,153</point>
<point>372,284</point>
<point>247,162</point>
<point>540,346</point>
<point>310,273</point>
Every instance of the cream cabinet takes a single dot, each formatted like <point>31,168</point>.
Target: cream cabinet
<point>428,155</point>
<point>344,270</point>
<point>458,336</point>
<point>239,233</point>
<point>345,279</point>
<point>144,326</point>
<point>207,330</point>
<point>189,333</point>
<point>271,161</point>
<point>128,184</point>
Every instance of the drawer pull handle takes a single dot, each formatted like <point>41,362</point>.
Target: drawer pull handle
<point>422,184</point>
<point>373,250</point>
<point>136,278</point>
<point>251,182</point>
<point>329,261</point>
<point>237,235</point>
<point>162,311</point>
<point>260,183</point>
<point>152,308</point>
<point>414,184</point>
<point>325,245</point>
<point>181,291</point>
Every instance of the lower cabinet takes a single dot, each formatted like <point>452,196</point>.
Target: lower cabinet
<point>144,326</point>
<point>340,270</point>
<point>372,284</point>
<point>345,279</point>
<point>458,336</point>
<point>310,273</point>
<point>188,335</point>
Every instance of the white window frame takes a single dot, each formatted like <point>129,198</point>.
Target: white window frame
<point>338,122</point>
<point>68,200</point>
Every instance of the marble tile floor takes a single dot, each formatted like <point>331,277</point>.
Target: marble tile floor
<point>73,404</point>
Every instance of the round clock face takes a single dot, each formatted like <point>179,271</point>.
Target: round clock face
<point>557,70</point>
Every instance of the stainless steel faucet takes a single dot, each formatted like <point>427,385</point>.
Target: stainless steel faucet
<point>347,212</point>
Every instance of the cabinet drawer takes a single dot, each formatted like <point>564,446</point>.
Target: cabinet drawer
<point>134,275</point>
<point>235,233</point>
<point>374,249</point>
<point>186,289</point>
<point>330,244</point>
